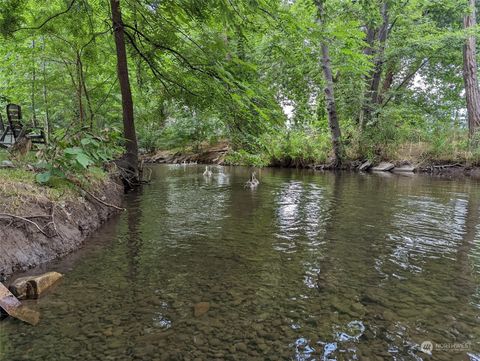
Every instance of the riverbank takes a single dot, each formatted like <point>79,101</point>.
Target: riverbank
<point>39,223</point>
<point>207,154</point>
<point>221,154</point>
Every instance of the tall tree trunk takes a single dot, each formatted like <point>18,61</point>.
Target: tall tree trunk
<point>371,98</point>
<point>472,93</point>
<point>81,113</point>
<point>127,101</point>
<point>331,106</point>
<point>330,93</point>
<point>87,95</point>
<point>34,84</point>
<point>45,95</point>
<point>387,82</point>
<point>45,102</point>
<point>379,60</point>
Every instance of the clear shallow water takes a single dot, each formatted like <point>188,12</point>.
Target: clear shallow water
<point>309,266</point>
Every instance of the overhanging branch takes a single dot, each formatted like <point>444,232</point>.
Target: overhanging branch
<point>48,19</point>
<point>161,77</point>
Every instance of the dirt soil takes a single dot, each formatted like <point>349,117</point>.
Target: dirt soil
<point>50,228</point>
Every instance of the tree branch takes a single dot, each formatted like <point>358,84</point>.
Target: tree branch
<point>48,19</point>
<point>405,81</point>
<point>177,54</point>
<point>7,215</point>
<point>155,71</point>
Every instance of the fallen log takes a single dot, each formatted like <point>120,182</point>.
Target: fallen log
<point>14,308</point>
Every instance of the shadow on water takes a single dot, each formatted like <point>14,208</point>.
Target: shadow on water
<point>308,266</point>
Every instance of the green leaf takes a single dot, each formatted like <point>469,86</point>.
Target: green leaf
<point>43,165</point>
<point>44,177</point>
<point>58,173</point>
<point>84,160</point>
<point>86,141</point>
<point>73,151</point>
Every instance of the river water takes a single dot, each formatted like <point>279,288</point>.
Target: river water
<point>308,266</point>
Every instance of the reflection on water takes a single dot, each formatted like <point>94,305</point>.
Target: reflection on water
<point>305,267</point>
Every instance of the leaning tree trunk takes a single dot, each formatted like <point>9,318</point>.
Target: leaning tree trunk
<point>330,93</point>
<point>472,93</point>
<point>45,95</point>
<point>372,98</point>
<point>81,113</point>
<point>131,156</point>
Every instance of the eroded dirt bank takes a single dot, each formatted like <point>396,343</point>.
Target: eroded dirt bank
<point>217,155</point>
<point>38,225</point>
<point>207,155</point>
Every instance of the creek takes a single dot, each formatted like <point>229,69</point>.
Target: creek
<point>307,266</point>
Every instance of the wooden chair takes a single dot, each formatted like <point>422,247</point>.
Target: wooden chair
<point>14,115</point>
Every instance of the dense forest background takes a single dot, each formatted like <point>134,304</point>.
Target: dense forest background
<point>325,81</point>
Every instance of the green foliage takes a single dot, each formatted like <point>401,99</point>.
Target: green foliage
<point>186,127</point>
<point>202,71</point>
<point>3,155</point>
<point>75,155</point>
<point>242,157</point>
<point>149,138</point>
<point>297,148</point>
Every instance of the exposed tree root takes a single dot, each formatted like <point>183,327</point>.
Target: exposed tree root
<point>26,220</point>
<point>100,201</point>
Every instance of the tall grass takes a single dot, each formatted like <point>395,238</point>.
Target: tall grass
<point>387,143</point>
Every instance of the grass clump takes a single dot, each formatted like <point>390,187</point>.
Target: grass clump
<point>20,183</point>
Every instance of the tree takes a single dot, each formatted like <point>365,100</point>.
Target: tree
<point>333,123</point>
<point>129,132</point>
<point>376,39</point>
<point>472,92</point>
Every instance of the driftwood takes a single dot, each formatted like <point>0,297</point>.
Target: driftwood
<point>13,307</point>
<point>441,166</point>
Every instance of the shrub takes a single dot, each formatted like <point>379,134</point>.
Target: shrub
<point>68,155</point>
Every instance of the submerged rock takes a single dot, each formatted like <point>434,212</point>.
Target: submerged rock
<point>383,167</point>
<point>241,346</point>
<point>201,308</point>
<point>32,287</point>
<point>389,316</point>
